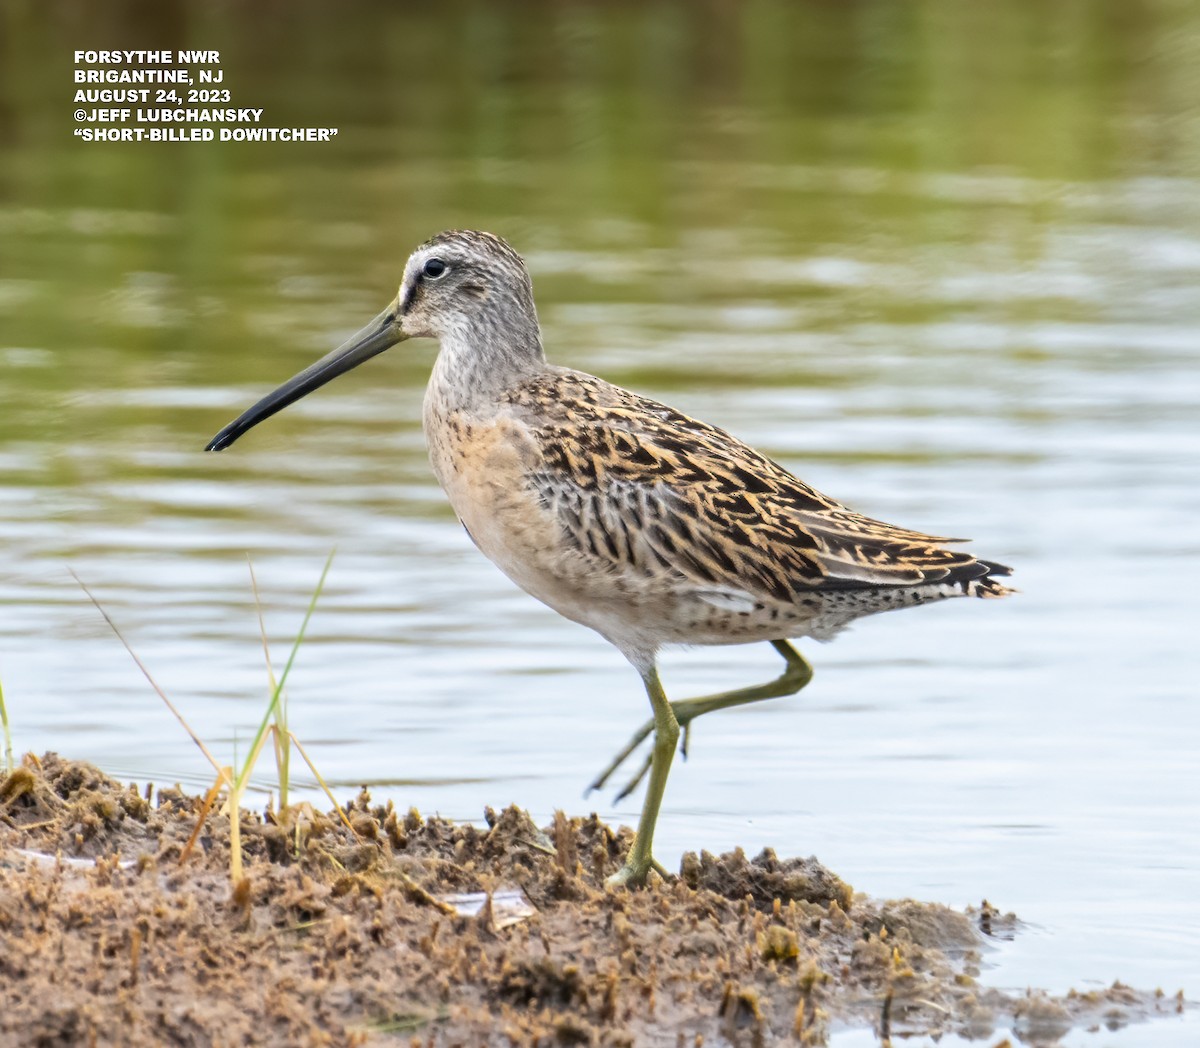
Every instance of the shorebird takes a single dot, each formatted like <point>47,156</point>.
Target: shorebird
<point>622,513</point>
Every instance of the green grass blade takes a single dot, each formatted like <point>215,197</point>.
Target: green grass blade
<point>244,774</point>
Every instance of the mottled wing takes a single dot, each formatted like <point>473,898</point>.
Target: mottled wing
<point>643,488</point>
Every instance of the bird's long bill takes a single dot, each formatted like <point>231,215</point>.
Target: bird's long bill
<point>382,333</point>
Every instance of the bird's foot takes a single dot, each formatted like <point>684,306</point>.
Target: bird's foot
<point>634,873</point>
<point>639,736</point>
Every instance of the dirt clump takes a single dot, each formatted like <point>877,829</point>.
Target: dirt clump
<point>114,930</point>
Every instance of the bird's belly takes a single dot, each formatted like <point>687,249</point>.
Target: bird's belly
<point>517,534</point>
<point>514,531</point>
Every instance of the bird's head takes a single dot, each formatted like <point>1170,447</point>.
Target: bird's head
<point>462,281</point>
<point>460,286</point>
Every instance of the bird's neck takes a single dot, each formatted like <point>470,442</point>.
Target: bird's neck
<point>478,362</point>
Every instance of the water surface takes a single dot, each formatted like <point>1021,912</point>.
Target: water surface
<point>941,261</point>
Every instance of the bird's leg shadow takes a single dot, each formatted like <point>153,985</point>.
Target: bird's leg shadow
<point>795,676</point>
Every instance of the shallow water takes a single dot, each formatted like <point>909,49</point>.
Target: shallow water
<point>942,263</point>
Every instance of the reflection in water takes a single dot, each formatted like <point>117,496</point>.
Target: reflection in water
<point>941,260</point>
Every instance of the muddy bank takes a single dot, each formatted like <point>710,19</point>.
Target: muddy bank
<point>340,936</point>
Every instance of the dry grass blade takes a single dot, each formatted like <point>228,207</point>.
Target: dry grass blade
<point>210,799</point>
<point>146,673</point>
<point>9,762</point>
<point>262,625</point>
<point>328,793</point>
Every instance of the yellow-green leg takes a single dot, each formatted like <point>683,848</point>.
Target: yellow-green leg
<point>666,735</point>
<point>795,676</point>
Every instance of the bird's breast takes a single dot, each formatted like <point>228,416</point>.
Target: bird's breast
<point>483,464</point>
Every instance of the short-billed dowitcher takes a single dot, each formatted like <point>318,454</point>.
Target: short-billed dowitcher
<point>621,513</point>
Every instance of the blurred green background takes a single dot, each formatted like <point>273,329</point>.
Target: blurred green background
<point>572,128</point>
<point>940,258</point>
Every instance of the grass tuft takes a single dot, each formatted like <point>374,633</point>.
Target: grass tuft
<point>275,719</point>
<point>273,726</point>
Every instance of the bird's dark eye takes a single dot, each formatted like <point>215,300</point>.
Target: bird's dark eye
<point>434,268</point>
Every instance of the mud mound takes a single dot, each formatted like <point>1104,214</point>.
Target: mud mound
<point>372,935</point>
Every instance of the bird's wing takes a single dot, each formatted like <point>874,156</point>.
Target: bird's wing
<point>641,487</point>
